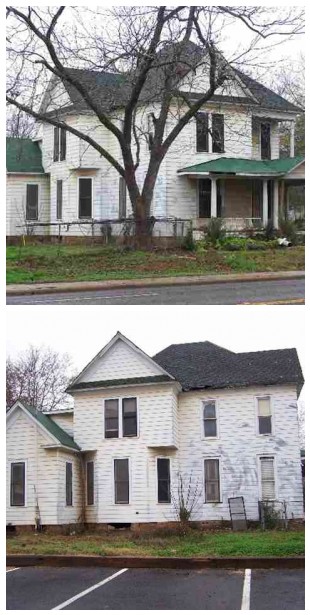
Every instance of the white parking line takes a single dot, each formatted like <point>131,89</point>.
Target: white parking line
<point>72,300</point>
<point>87,591</point>
<point>12,569</point>
<point>245,604</point>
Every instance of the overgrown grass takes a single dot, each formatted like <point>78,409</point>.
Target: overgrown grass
<point>196,543</point>
<point>51,263</point>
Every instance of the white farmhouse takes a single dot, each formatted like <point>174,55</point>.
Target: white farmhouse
<point>224,422</point>
<point>224,163</point>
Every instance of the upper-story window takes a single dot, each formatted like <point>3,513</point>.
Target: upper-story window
<point>60,144</point>
<point>122,424</point>
<point>265,145</point>
<point>209,419</point>
<point>210,138</point>
<point>264,413</point>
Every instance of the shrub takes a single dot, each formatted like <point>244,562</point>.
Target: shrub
<point>288,230</point>
<point>189,243</point>
<point>233,244</point>
<point>215,231</point>
<point>270,516</point>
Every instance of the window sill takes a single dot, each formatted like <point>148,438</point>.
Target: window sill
<point>215,502</point>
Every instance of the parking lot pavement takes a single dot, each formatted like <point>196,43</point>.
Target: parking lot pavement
<point>157,589</point>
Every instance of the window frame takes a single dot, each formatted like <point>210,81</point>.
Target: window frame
<point>62,144</point>
<point>78,196</point>
<point>39,194</point>
<point>264,123</point>
<point>259,473</point>
<point>66,464</point>
<point>61,204</point>
<point>207,136</point>
<point>257,397</point>
<point>212,458</point>
<point>90,461</point>
<point>157,480</point>
<point>120,416</point>
<point>203,402</point>
<point>222,151</point>
<point>129,482</point>
<point>16,461</point>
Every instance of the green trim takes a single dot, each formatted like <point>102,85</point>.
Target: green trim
<point>100,384</point>
<point>23,156</point>
<point>52,427</point>
<point>245,166</point>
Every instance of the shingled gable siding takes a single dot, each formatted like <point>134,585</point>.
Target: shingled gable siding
<point>16,202</point>
<point>120,361</point>
<point>239,447</point>
<point>24,443</point>
<point>157,427</point>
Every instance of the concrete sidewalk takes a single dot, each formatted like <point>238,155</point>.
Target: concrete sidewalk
<point>63,287</point>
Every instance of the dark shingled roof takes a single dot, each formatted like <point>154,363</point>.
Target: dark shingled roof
<point>203,365</point>
<point>54,429</point>
<point>23,156</point>
<point>100,384</point>
<point>111,90</point>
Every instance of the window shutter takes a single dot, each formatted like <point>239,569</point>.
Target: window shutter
<point>59,200</point>
<point>56,144</point>
<point>218,133</point>
<point>267,477</point>
<point>63,143</point>
<point>32,196</point>
<point>202,129</point>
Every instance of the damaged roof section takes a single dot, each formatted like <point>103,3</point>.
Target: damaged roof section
<point>203,365</point>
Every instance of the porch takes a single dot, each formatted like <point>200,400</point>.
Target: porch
<point>245,193</point>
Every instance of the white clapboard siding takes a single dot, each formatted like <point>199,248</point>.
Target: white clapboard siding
<point>65,421</point>
<point>16,202</point>
<point>69,514</point>
<point>120,361</point>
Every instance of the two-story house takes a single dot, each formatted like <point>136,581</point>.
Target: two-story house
<point>223,422</point>
<point>225,162</point>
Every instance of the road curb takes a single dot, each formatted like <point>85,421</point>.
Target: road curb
<point>120,561</point>
<point>67,287</point>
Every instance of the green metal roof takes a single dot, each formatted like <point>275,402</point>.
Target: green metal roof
<point>119,382</point>
<point>23,156</point>
<point>54,429</point>
<point>245,166</point>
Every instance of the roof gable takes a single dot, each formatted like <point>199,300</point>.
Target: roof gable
<point>23,156</point>
<point>48,426</point>
<point>120,361</point>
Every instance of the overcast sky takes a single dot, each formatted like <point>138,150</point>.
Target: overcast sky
<point>82,331</point>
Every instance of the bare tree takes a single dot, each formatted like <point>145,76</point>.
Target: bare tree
<point>289,82</point>
<point>39,376</point>
<point>144,52</point>
<point>185,498</point>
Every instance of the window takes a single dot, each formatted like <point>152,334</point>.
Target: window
<point>204,187</point>
<point>121,481</point>
<point>85,197</point>
<point>163,481</point>
<point>32,201</point>
<point>60,144</point>
<point>218,133</point>
<point>59,199</point>
<point>129,417</point>
<point>17,484</point>
<point>264,415</point>
<point>209,419</point>
<point>111,429</point>
<point>212,480</point>
<point>150,129</point>
<point>265,142</point>
<point>90,483</point>
<point>202,129</point>
<point>122,198</point>
<point>68,483</point>
<point>268,478</point>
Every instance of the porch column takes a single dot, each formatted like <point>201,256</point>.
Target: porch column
<point>213,198</point>
<point>292,139</point>
<point>265,202</point>
<point>276,203</point>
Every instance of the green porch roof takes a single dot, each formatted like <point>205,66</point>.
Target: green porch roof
<point>23,156</point>
<point>54,429</point>
<point>243,166</point>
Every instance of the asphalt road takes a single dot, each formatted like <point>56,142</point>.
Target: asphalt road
<point>229,293</point>
<point>147,589</point>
